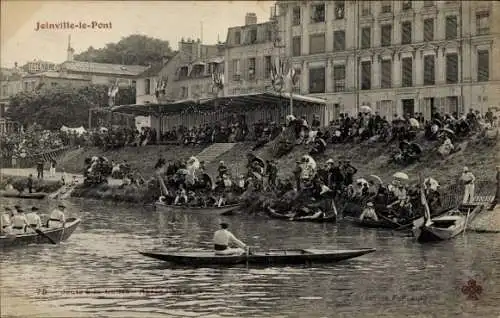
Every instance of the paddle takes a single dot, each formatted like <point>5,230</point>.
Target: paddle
<point>39,232</point>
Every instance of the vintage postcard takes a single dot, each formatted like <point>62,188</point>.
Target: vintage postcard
<point>250,159</point>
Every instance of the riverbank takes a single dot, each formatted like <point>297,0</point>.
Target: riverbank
<point>21,182</point>
<point>129,193</point>
<point>487,222</point>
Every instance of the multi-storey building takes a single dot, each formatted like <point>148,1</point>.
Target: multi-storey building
<point>396,56</point>
<point>249,54</point>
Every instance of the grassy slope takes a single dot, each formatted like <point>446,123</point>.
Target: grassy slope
<point>367,158</point>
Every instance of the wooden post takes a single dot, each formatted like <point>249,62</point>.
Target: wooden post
<point>90,118</point>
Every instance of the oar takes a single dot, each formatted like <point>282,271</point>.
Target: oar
<point>389,220</point>
<point>39,232</point>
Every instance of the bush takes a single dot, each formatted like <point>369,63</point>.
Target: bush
<point>21,183</point>
<point>129,193</point>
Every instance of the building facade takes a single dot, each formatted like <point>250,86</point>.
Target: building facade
<point>33,82</point>
<point>38,66</point>
<point>397,57</point>
<point>249,56</point>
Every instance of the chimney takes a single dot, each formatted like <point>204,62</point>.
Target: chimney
<point>250,18</point>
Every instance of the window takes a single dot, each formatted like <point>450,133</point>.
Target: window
<point>386,35</point>
<point>317,80</point>
<point>451,27</point>
<point>428,3</point>
<point>365,8</point>
<point>237,37</point>
<point>365,37</point>
<point>296,86</point>
<point>386,7</point>
<point>236,70</point>
<point>251,68</point>
<point>252,36</point>
<point>316,43</point>
<point>386,80</point>
<point>483,66</point>
<point>406,5</point>
<point>451,68</point>
<point>482,23</point>
<point>296,46</point>
<point>428,30</point>
<point>429,70</point>
<point>366,75</point>
<point>339,10</point>
<point>407,70</point>
<point>339,78</point>
<point>339,40</point>
<point>318,13</point>
<point>267,66</point>
<point>406,32</point>
<point>147,86</point>
<point>296,16</point>
<point>53,84</point>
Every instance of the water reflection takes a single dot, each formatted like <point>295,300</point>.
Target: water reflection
<point>401,278</point>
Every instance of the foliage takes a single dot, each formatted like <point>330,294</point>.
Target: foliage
<point>56,106</point>
<point>21,183</point>
<point>134,49</point>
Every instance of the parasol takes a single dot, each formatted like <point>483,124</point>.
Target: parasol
<point>310,161</point>
<point>400,176</point>
<point>448,131</point>
<point>361,181</point>
<point>365,109</point>
<point>376,178</point>
<point>259,161</point>
<point>433,183</point>
<point>414,123</point>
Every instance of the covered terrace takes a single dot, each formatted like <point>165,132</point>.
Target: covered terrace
<point>255,107</point>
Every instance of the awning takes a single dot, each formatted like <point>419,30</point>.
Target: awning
<point>238,101</point>
<point>218,60</point>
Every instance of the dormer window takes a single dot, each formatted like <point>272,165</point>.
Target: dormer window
<point>253,36</point>
<point>318,13</point>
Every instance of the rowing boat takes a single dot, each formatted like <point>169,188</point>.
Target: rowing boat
<point>446,226</point>
<point>271,257</point>
<point>330,218</point>
<point>36,195</point>
<point>223,210</point>
<point>379,224</point>
<point>55,234</point>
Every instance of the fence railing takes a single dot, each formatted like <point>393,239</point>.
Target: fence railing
<point>31,161</point>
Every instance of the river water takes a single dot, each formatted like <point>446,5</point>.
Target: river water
<point>402,278</point>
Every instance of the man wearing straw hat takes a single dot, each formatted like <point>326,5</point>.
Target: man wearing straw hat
<point>57,217</point>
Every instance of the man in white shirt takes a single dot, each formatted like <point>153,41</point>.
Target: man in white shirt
<point>5,221</point>
<point>19,222</point>
<point>34,220</point>
<point>223,239</point>
<point>57,217</point>
<point>468,179</point>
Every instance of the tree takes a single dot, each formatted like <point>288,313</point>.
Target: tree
<point>56,106</point>
<point>134,49</point>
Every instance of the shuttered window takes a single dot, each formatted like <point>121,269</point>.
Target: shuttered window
<point>429,70</point>
<point>366,75</point>
<point>296,46</point>
<point>483,66</point>
<point>407,72</point>
<point>339,40</point>
<point>451,27</point>
<point>406,32</point>
<point>317,80</point>
<point>386,79</point>
<point>386,35</point>
<point>451,68</point>
<point>339,78</point>
<point>428,30</point>
<point>318,13</point>
<point>365,37</point>
<point>317,43</point>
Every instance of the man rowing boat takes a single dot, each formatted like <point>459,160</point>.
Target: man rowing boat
<point>223,239</point>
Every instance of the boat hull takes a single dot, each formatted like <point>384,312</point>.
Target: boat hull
<point>329,218</point>
<point>282,257</point>
<point>38,195</point>
<point>57,235</point>
<point>380,224</point>
<point>224,210</point>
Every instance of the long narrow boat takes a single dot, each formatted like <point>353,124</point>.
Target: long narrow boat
<point>56,234</point>
<point>328,218</point>
<point>369,223</point>
<point>223,210</point>
<point>446,226</point>
<point>271,257</point>
<point>36,195</point>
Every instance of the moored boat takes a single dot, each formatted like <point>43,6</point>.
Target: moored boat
<point>10,194</point>
<point>55,234</point>
<point>325,218</point>
<point>271,257</point>
<point>446,226</point>
<point>223,210</point>
<point>369,223</point>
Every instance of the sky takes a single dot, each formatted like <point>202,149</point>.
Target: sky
<point>166,20</point>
